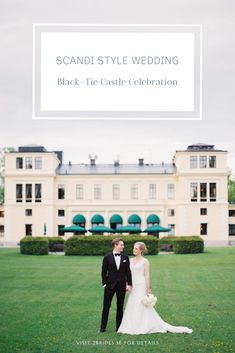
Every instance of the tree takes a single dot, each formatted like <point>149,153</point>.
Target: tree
<point>2,169</point>
<point>231,190</point>
<point>1,194</point>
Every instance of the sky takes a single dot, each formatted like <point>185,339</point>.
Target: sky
<point>156,141</point>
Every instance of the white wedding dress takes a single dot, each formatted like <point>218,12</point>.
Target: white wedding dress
<point>139,319</point>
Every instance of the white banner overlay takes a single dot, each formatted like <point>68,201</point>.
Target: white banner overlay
<point>90,72</point>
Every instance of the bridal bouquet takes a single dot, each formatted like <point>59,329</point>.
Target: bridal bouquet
<point>149,300</point>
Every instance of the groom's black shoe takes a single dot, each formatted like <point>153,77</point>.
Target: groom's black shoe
<point>101,330</point>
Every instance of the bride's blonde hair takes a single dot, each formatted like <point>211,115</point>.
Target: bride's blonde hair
<point>142,247</point>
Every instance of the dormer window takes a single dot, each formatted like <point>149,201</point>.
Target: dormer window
<point>28,162</point>
<point>203,161</point>
<point>38,162</point>
<point>212,161</point>
<point>193,161</point>
<point>19,163</point>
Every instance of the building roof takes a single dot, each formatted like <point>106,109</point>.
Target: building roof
<point>74,169</point>
<point>38,149</point>
<point>31,148</point>
<point>201,147</point>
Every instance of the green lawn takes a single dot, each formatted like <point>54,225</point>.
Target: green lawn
<point>52,304</point>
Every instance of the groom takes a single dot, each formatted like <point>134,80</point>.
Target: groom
<point>116,278</point>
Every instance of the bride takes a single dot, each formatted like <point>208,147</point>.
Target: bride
<point>138,318</point>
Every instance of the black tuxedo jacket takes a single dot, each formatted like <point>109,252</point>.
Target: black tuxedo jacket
<point>111,275</point>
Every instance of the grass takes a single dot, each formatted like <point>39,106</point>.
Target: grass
<point>52,304</point>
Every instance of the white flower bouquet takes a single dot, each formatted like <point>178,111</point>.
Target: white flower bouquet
<point>149,300</point>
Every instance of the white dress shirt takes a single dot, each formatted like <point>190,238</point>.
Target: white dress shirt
<point>117,259</point>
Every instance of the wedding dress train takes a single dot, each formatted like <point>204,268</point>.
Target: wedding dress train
<point>139,319</point>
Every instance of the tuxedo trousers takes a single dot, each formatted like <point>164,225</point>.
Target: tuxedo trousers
<point>108,296</point>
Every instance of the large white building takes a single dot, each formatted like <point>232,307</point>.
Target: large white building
<point>189,195</point>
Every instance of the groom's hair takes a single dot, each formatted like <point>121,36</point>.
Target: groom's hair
<point>116,241</point>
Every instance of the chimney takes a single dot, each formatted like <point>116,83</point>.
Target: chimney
<point>92,159</point>
<point>141,162</point>
<point>59,155</point>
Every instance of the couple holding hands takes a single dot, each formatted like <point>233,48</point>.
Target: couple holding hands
<point>121,275</point>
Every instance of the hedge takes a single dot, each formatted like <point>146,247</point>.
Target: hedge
<point>34,245</point>
<point>188,245</point>
<point>166,243</point>
<point>101,245</point>
<point>56,243</point>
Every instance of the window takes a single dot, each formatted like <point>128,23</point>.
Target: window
<point>171,212</point>
<point>61,213</point>
<point>28,212</point>
<point>61,191</point>
<point>231,213</point>
<point>60,232</point>
<point>203,228</point>
<point>19,162</point>
<point>172,227</point>
<point>212,161</point>
<point>1,214</point>
<point>193,161</point>
<point>231,229</point>
<point>134,191</point>
<point>116,191</point>
<point>28,162</point>
<point>1,231</point>
<point>97,192</point>
<point>193,192</point>
<point>28,192</point>
<point>152,191</point>
<point>203,161</point>
<point>137,225</point>
<point>28,229</point>
<point>38,162</point>
<point>203,211</point>
<point>79,192</point>
<point>170,191</point>
<point>38,192</point>
<point>19,192</point>
<point>203,192</point>
<point>213,192</point>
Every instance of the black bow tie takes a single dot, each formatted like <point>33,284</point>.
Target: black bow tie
<point>117,254</point>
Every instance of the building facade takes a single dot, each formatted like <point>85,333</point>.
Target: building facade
<point>231,224</point>
<point>2,231</point>
<point>189,195</point>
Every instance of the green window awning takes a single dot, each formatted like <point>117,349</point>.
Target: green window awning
<point>73,229</point>
<point>97,218</point>
<point>153,218</point>
<point>134,218</point>
<point>156,229</point>
<point>116,218</point>
<point>100,229</point>
<point>128,229</point>
<point>79,219</point>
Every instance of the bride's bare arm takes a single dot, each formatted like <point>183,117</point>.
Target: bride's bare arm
<point>147,276</point>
